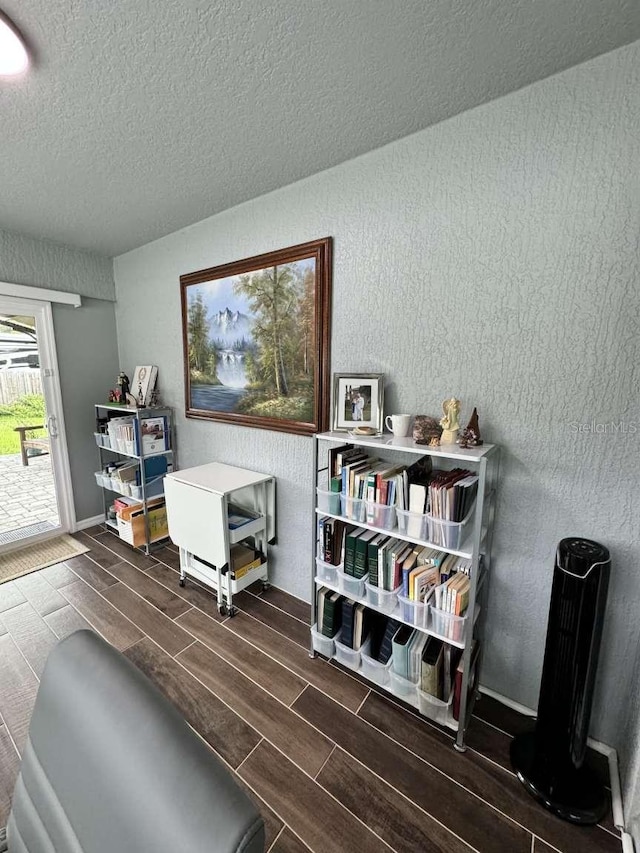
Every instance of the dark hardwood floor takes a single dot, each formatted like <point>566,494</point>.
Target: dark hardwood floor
<point>334,765</point>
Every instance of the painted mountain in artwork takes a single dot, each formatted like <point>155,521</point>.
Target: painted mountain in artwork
<point>229,327</point>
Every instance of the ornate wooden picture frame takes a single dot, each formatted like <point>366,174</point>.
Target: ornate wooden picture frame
<point>256,336</point>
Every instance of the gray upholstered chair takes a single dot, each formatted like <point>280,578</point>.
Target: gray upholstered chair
<point>110,765</point>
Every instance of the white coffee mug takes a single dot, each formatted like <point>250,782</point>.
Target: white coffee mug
<point>399,425</point>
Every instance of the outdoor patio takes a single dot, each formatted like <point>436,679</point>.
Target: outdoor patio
<point>27,494</point>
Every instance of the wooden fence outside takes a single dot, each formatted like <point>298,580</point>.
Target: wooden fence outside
<point>17,383</point>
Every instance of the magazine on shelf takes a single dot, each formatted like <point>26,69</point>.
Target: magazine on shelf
<point>153,436</point>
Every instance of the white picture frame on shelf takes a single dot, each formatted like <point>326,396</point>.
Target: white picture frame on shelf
<point>358,401</point>
<point>143,384</point>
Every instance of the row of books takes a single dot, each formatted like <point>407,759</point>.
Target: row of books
<point>434,665</point>
<point>452,494</point>
<point>354,624</point>
<point>453,595</point>
<point>151,437</point>
<point>355,474</point>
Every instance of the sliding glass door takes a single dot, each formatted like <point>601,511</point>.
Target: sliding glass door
<point>35,484</point>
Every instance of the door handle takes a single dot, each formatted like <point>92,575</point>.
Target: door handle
<point>52,426</point>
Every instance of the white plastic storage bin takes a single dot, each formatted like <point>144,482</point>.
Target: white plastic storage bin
<point>347,656</point>
<point>98,438</point>
<point>321,644</point>
<point>448,534</point>
<point>326,573</point>
<point>353,508</point>
<point>101,478</point>
<point>414,612</point>
<point>435,709</point>
<point>413,524</point>
<point>154,489</point>
<point>121,486</point>
<point>350,586</point>
<point>380,515</point>
<point>402,687</point>
<point>328,501</point>
<point>447,625</point>
<point>385,600</point>
<point>373,669</point>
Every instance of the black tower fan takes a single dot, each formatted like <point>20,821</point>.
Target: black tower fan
<point>550,760</point>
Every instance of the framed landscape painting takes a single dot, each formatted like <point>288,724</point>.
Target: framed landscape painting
<point>256,338</point>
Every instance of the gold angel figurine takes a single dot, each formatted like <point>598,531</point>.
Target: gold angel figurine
<point>449,422</point>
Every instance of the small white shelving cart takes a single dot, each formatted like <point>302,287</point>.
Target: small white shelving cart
<point>201,505</point>
<point>115,449</point>
<point>472,540</point>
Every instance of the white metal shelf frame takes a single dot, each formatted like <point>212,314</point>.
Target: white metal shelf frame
<point>137,414</point>
<point>486,461</point>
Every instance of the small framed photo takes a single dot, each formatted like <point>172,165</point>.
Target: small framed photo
<point>358,401</point>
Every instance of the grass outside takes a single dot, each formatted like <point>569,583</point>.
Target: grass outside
<point>26,411</point>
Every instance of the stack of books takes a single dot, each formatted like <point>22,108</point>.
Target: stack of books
<point>329,612</point>
<point>331,534</point>
<point>452,494</point>
<point>453,595</point>
<point>408,645</point>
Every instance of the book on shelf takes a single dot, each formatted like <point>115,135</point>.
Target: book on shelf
<point>432,667</point>
<point>400,650</point>
<point>360,561</point>
<point>386,645</point>
<point>416,648</point>
<point>350,549</point>
<point>331,613</point>
<point>346,630</point>
<point>459,673</point>
<point>360,625</point>
<point>372,556</point>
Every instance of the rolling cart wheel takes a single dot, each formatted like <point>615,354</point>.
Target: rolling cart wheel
<point>232,611</point>
<point>182,581</point>
<point>222,609</point>
<point>265,586</point>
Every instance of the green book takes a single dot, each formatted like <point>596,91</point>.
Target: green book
<point>350,550</point>
<point>332,616</point>
<point>335,484</point>
<point>372,557</point>
<point>360,558</point>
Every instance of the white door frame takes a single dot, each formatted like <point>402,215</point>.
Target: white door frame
<point>53,401</point>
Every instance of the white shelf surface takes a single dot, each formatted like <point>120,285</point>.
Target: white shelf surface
<point>132,455</point>
<point>219,478</point>
<point>465,552</point>
<point>143,412</point>
<point>408,445</point>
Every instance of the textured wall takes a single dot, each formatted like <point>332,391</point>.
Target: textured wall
<point>85,341</point>
<point>39,263</point>
<point>88,365</point>
<point>493,256</point>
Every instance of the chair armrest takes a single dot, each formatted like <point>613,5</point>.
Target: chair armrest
<point>24,429</point>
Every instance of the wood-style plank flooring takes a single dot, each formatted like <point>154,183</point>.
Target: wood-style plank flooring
<point>333,765</point>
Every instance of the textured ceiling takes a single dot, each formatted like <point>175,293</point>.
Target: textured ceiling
<point>140,117</point>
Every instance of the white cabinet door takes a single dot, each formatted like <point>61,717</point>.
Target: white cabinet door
<point>197,520</point>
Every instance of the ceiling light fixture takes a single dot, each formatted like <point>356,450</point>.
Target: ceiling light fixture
<point>14,58</point>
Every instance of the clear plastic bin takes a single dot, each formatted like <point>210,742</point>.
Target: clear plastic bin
<point>380,515</point>
<point>129,447</point>
<point>326,572</point>
<point>121,486</point>
<point>100,479</point>
<point>321,644</point>
<point>153,489</point>
<point>350,586</point>
<point>448,534</point>
<point>414,612</point>
<point>353,508</point>
<point>328,501</point>
<point>413,524</point>
<point>435,709</point>
<point>383,599</point>
<point>98,438</point>
<point>373,669</point>
<point>346,656</point>
<point>447,625</point>
<point>402,687</point>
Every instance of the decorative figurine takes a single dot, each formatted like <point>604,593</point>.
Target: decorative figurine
<point>125,387</point>
<point>449,422</point>
<point>113,396</point>
<point>471,433</point>
<point>154,402</point>
<point>426,430</point>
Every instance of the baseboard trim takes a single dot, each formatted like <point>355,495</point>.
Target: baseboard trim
<point>87,522</point>
<point>598,746</point>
